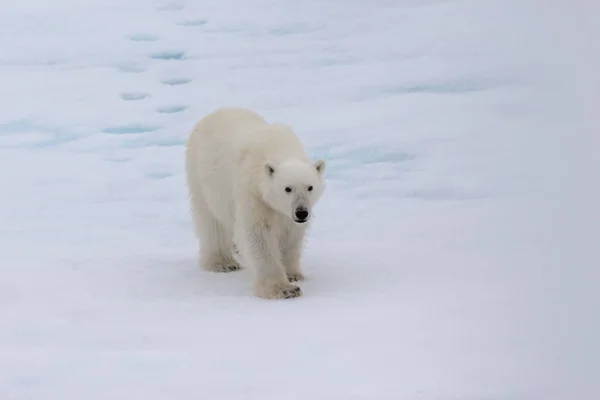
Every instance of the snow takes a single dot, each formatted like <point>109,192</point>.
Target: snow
<point>424,278</point>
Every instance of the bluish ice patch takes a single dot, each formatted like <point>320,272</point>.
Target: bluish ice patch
<point>446,87</point>
<point>171,7</point>
<point>134,96</point>
<point>19,126</point>
<point>143,37</point>
<point>159,175</point>
<point>42,144</point>
<point>130,129</point>
<point>51,135</point>
<point>171,109</point>
<point>168,55</point>
<point>175,81</point>
<point>173,142</point>
<point>291,29</point>
<point>193,22</point>
<point>334,167</point>
<point>363,155</point>
<point>341,160</point>
<point>51,142</point>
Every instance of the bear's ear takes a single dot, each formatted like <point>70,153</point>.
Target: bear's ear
<point>320,166</point>
<point>269,169</point>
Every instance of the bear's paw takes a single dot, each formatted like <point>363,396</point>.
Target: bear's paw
<point>278,291</point>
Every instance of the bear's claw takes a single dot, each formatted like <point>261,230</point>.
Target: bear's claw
<point>279,291</point>
<point>295,277</point>
<point>225,268</point>
<point>291,293</point>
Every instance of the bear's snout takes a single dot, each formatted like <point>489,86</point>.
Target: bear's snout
<point>301,215</point>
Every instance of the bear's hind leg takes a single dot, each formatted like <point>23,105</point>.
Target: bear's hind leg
<point>216,242</point>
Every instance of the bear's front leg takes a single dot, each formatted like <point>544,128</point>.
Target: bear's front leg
<point>291,253</point>
<point>270,280</point>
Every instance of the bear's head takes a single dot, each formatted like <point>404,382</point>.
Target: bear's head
<point>294,187</point>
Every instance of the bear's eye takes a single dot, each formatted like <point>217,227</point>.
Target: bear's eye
<point>310,188</point>
<point>288,189</point>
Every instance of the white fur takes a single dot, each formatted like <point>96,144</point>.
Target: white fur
<point>238,167</point>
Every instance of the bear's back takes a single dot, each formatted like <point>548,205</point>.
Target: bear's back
<point>271,142</point>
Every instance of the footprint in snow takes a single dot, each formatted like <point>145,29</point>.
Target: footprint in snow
<point>168,55</point>
<point>175,81</point>
<point>132,96</point>
<point>171,109</point>
<point>192,22</point>
<point>130,129</point>
<point>135,69</point>
<point>159,175</point>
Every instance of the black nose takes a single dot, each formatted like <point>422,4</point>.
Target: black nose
<point>301,214</point>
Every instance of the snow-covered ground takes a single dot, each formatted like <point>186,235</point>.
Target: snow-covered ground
<point>421,273</point>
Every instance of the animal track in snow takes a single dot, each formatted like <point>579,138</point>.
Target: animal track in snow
<point>168,55</point>
<point>131,96</point>
<point>130,129</point>
<point>143,37</point>
<point>159,175</point>
<point>171,109</point>
<point>175,81</point>
<point>193,22</point>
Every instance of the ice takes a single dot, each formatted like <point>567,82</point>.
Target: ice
<point>426,276</point>
<point>171,109</point>
<point>176,81</point>
<point>168,55</point>
<point>141,37</point>
<point>196,22</point>
<point>134,96</point>
<point>130,129</point>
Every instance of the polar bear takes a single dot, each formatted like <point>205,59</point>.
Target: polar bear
<point>253,188</point>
